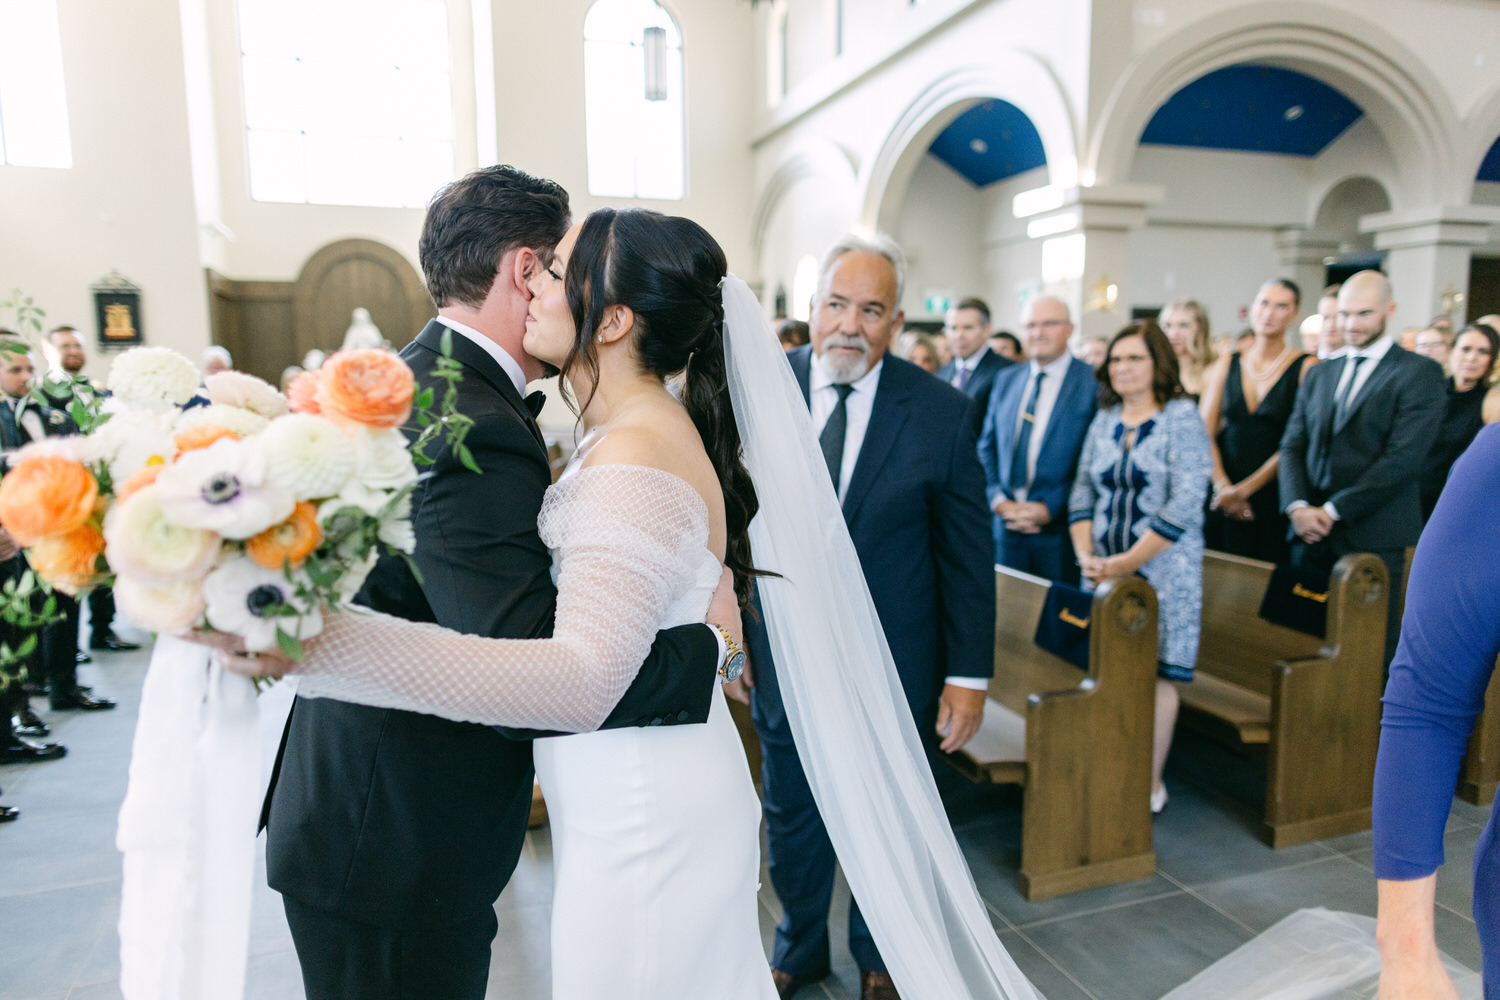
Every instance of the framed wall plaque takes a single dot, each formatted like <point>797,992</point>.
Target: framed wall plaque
<point>117,312</point>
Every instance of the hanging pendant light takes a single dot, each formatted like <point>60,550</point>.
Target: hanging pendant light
<point>654,42</point>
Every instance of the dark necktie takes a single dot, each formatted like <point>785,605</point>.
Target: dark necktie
<point>1341,408</point>
<point>1018,479</point>
<point>962,381</point>
<point>535,402</point>
<point>10,434</point>
<point>834,431</point>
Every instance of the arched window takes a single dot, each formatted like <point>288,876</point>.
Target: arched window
<point>33,105</point>
<point>347,102</point>
<point>632,77</point>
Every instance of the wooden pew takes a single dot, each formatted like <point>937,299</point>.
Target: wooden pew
<point>1080,743</point>
<point>1314,703</point>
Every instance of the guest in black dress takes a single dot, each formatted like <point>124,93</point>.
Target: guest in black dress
<point>1247,401</point>
<point>1472,361</point>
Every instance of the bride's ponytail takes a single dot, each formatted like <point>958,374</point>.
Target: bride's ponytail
<point>668,270</point>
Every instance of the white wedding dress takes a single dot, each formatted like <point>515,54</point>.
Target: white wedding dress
<point>655,830</point>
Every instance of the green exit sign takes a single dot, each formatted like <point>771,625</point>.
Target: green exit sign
<point>937,305</point>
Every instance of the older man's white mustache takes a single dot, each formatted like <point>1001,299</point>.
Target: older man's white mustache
<point>849,343</point>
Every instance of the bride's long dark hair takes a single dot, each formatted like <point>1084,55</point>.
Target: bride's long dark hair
<point>668,270</point>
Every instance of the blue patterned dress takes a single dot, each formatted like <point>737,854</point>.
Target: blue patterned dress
<point>1159,482</point>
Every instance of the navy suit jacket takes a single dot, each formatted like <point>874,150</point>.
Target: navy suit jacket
<point>1057,461</point>
<point>1370,464</point>
<point>915,511</point>
<point>980,382</point>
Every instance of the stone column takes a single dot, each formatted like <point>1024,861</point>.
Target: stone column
<point>1304,259</point>
<point>1085,236</point>
<point>1428,251</point>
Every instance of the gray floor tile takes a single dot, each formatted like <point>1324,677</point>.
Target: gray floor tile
<point>274,977</point>
<point>1140,952</point>
<point>1470,813</point>
<point>46,938</point>
<point>99,991</point>
<point>1202,838</point>
<point>42,851</point>
<point>1261,900</point>
<point>1049,980</point>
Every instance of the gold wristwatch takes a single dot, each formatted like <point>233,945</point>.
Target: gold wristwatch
<point>734,656</point>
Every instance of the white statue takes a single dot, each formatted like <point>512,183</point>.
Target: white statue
<point>362,334</point>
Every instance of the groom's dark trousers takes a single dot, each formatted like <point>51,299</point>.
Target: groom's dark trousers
<point>916,512</point>
<point>391,834</point>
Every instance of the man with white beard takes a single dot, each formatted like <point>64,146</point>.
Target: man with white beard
<point>900,449</point>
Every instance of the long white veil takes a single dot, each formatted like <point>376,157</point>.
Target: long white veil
<point>854,732</point>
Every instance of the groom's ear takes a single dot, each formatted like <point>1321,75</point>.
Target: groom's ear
<point>524,265</point>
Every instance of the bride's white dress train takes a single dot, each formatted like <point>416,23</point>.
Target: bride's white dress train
<point>655,830</point>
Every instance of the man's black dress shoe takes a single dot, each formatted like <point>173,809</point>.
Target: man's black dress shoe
<point>788,983</point>
<point>80,699</point>
<point>877,986</point>
<point>19,751</point>
<point>112,643</point>
<point>9,813</point>
<point>82,656</point>
<point>28,723</point>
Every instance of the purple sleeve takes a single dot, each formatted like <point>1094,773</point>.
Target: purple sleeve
<point>1449,639</point>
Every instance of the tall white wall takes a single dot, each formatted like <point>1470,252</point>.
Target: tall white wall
<point>126,204</point>
<point>941,230</point>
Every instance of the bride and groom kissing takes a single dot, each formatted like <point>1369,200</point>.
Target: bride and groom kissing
<point>396,812</point>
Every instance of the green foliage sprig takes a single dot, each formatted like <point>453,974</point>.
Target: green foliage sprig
<point>453,425</point>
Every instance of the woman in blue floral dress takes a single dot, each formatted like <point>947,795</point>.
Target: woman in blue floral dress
<point>1137,505</point>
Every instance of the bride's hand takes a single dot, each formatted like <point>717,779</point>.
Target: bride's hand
<point>231,652</point>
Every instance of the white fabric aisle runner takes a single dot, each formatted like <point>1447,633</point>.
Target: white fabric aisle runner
<point>187,828</point>
<point>1310,955</point>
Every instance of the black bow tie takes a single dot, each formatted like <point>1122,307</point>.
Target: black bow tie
<point>535,402</point>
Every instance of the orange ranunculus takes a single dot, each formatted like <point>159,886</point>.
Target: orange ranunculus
<point>68,562</point>
<point>201,437</point>
<point>302,393</point>
<point>373,388</point>
<point>291,541</point>
<point>46,495</point>
<point>140,480</point>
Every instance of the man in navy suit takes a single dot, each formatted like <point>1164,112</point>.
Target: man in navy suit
<point>975,364</point>
<point>1039,414</point>
<point>900,447</point>
<point>1356,445</point>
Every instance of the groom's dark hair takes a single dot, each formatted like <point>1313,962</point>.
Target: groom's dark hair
<point>478,219</point>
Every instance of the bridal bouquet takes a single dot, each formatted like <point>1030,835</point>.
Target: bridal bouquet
<point>252,514</point>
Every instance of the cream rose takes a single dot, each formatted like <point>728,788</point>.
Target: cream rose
<point>142,543</point>
<point>246,392</point>
<point>171,607</point>
<point>381,461</point>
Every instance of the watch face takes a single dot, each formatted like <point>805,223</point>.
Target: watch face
<point>734,666</point>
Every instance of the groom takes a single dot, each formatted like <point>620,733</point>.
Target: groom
<point>391,833</point>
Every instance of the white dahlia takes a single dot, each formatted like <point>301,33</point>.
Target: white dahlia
<point>155,379</point>
<point>129,441</point>
<point>381,461</point>
<point>141,543</point>
<point>223,489</point>
<point>307,456</point>
<point>247,392</point>
<point>241,421</point>
<point>252,602</point>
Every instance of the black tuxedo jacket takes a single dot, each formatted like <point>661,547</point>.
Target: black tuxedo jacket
<point>1370,465</point>
<point>915,510</point>
<point>402,820</point>
<point>980,383</point>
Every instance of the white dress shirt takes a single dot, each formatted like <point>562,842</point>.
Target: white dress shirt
<point>502,357</point>
<point>1056,370</point>
<point>961,365</point>
<point>823,397</point>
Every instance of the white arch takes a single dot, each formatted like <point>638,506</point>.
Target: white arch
<point>1402,98</point>
<point>1482,127</point>
<point>1011,75</point>
<point>813,157</point>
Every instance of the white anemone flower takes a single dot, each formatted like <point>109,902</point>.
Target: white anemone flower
<point>250,601</point>
<point>142,543</point>
<point>170,608</point>
<point>381,459</point>
<point>154,379</point>
<point>396,530</point>
<point>222,488</point>
<point>246,392</point>
<point>241,421</point>
<point>307,456</point>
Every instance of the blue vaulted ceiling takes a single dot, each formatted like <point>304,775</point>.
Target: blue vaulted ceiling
<point>1253,109</point>
<point>991,141</point>
<point>1489,170</point>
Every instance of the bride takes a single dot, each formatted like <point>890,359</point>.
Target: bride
<point>655,830</point>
